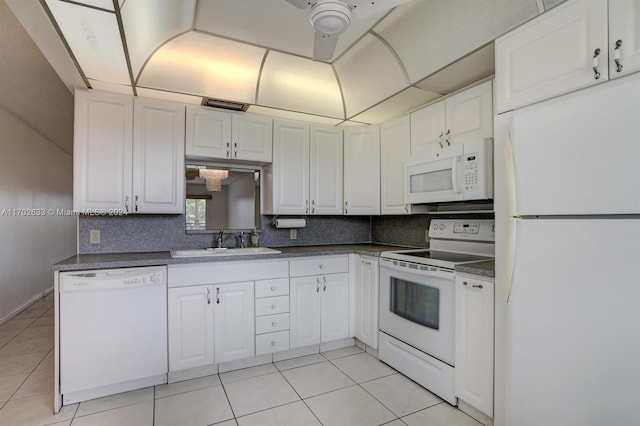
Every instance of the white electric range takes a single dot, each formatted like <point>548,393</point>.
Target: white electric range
<point>417,306</point>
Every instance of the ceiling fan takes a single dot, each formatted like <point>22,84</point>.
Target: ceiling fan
<point>329,18</point>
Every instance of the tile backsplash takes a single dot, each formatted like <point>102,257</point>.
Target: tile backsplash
<point>147,233</point>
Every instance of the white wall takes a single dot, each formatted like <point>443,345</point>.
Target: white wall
<point>36,140</point>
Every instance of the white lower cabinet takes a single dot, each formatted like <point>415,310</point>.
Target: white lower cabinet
<point>212,310</point>
<point>190,327</point>
<point>366,304</point>
<point>474,341</point>
<point>234,323</point>
<point>319,301</point>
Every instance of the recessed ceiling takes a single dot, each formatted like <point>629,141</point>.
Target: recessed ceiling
<point>260,52</point>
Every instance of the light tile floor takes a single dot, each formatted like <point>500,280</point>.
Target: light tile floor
<point>343,387</point>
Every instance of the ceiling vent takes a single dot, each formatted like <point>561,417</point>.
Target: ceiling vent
<point>219,103</point>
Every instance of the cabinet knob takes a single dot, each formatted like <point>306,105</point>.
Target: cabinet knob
<point>273,306</point>
<point>273,288</point>
<point>273,324</point>
<point>321,266</point>
<point>273,344</point>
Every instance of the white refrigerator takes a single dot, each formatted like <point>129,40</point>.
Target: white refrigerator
<point>568,259</point>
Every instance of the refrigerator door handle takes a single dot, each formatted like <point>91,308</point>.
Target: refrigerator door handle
<point>511,216</point>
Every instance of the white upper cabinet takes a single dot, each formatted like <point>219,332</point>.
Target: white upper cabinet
<point>287,185</point>
<point>463,117</point>
<point>325,170</point>
<point>128,154</point>
<point>624,37</point>
<point>212,133</point>
<point>158,156</point>
<point>306,174</point>
<point>562,50</point>
<point>395,146</point>
<point>362,170</point>
<point>102,150</point>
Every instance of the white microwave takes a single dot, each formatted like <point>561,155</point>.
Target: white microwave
<point>461,172</point>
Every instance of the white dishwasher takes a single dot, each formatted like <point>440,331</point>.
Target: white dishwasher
<point>113,331</point>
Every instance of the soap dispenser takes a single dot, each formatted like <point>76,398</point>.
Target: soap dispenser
<point>255,238</point>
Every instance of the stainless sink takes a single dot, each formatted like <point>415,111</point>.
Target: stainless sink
<point>215,252</point>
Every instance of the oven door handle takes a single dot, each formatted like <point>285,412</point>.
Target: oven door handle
<point>437,273</point>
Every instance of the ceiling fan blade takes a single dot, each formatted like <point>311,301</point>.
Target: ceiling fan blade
<point>323,46</point>
<point>365,8</point>
<point>300,4</point>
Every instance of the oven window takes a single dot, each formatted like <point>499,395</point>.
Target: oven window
<point>416,302</point>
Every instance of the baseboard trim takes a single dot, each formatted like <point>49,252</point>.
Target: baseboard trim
<point>25,305</point>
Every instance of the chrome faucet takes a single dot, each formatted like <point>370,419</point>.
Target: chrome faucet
<point>221,239</point>
<point>241,240</point>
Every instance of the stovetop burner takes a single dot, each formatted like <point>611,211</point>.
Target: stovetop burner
<point>434,257</point>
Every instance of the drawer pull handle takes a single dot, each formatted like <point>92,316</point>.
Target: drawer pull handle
<point>473,285</point>
<point>273,324</point>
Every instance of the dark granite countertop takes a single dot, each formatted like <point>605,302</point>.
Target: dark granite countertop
<point>123,260</point>
<point>484,269</point>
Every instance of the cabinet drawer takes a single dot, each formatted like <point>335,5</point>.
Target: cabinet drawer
<point>318,265</point>
<point>272,323</point>
<point>272,305</point>
<point>270,288</point>
<point>272,342</point>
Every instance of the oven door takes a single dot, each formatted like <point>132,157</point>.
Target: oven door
<point>417,307</point>
<point>435,176</point>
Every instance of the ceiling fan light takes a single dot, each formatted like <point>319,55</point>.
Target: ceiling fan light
<point>330,17</point>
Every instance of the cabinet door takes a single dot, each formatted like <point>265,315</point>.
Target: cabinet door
<point>305,311</point>
<point>234,321</point>
<point>158,156</point>
<point>474,343</point>
<point>427,127</point>
<point>325,170</point>
<point>394,149</point>
<point>103,135</point>
<point>469,114</point>
<point>252,137</point>
<point>207,133</point>
<point>362,170</point>
<point>624,37</point>
<point>290,167</point>
<point>334,317</point>
<point>366,303</point>
<point>552,54</point>
<point>190,317</point>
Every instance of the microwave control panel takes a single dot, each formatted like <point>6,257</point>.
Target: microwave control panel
<point>471,172</point>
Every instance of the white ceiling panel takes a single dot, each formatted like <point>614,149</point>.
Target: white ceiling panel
<point>205,65</point>
<point>274,24</point>
<point>396,106</point>
<point>102,4</point>
<point>297,84</point>
<point>94,38</point>
<point>368,73</point>
<point>149,23</point>
<point>292,115</point>
<point>428,35</point>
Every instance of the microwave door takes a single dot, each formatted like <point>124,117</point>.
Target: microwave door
<point>434,181</point>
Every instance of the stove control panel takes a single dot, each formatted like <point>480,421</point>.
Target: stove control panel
<point>463,229</point>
